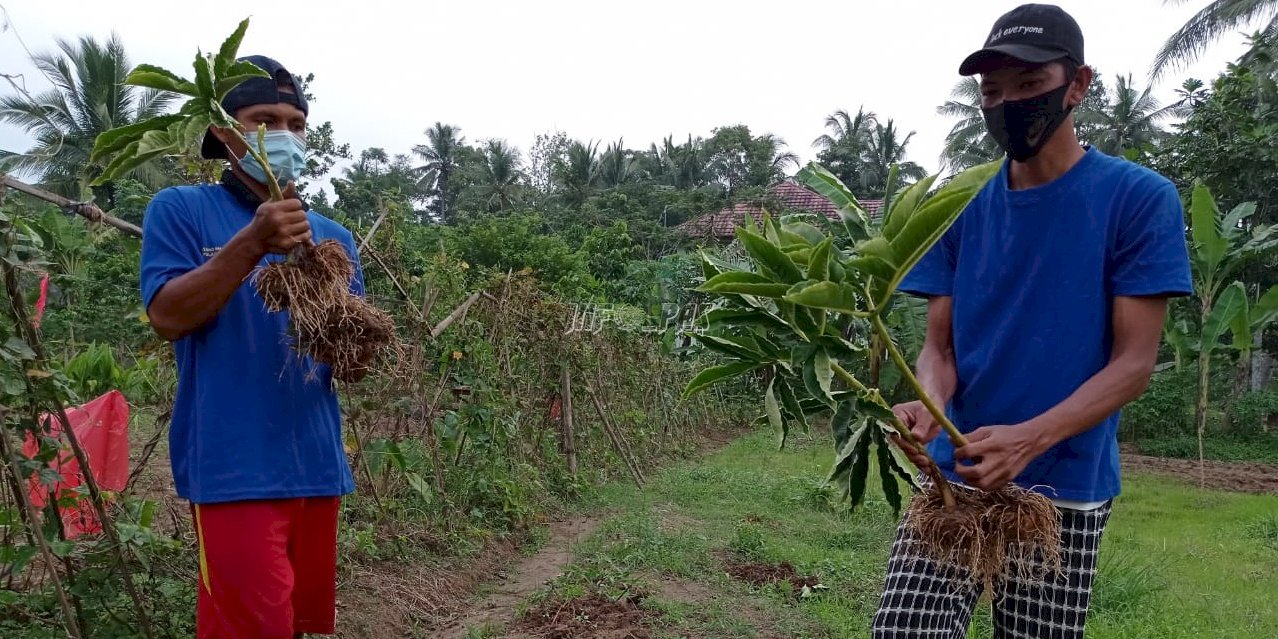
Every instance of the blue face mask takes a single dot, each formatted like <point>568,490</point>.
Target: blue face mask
<point>285,150</point>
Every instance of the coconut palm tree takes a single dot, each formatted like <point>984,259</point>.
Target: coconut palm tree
<point>88,97</point>
<point>442,160</point>
<point>499,177</point>
<point>1216,19</point>
<point>682,166</point>
<point>578,173</point>
<point>617,166</point>
<point>968,143</point>
<point>842,149</point>
<point>1130,119</point>
<point>887,147</point>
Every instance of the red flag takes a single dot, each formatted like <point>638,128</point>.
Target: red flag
<point>42,300</point>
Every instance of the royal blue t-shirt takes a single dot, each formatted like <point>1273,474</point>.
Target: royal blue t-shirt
<point>253,419</point>
<point>1033,274</point>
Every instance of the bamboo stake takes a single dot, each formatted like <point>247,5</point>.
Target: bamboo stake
<point>570,438</point>
<point>614,437</point>
<point>86,210</point>
<point>458,313</point>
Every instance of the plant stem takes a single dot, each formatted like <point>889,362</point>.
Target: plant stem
<point>951,431</point>
<point>907,435</point>
<point>260,155</point>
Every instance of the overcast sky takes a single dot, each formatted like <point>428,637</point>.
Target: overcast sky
<point>600,69</point>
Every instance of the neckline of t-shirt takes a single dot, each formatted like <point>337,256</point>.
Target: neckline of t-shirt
<point>1050,189</point>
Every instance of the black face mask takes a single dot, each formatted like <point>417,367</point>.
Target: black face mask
<point>1022,127</point>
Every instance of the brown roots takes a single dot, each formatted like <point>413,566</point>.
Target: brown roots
<point>989,535</point>
<point>330,324</point>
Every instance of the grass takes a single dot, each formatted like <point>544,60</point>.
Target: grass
<point>1177,561</point>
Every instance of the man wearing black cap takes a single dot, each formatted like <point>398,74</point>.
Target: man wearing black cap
<point>255,442</point>
<point>1046,306</point>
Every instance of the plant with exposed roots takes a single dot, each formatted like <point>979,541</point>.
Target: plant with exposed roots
<point>329,323</point>
<point>806,302</point>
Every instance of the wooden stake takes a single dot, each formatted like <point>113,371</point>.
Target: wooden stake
<point>87,210</point>
<point>618,443</point>
<point>570,438</point>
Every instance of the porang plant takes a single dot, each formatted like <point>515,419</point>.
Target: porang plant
<point>808,303</point>
<point>329,323</point>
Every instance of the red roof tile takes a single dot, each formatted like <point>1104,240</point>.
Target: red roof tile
<point>792,197</point>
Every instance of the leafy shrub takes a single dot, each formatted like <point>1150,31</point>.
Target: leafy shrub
<point>1166,408</point>
<point>1245,449</point>
<point>1252,411</point>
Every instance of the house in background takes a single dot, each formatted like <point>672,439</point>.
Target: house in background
<point>786,197</point>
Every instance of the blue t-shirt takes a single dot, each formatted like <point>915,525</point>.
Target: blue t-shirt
<point>1033,274</point>
<point>253,419</point>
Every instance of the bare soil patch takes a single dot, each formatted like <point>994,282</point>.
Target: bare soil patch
<point>1246,477</point>
<point>764,574</point>
<point>593,616</point>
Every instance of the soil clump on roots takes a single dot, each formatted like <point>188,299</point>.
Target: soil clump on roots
<point>328,322</point>
<point>988,535</point>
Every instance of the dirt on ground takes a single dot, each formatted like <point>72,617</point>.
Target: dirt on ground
<point>518,581</point>
<point>1243,477</point>
<point>592,616</point>
<point>764,574</point>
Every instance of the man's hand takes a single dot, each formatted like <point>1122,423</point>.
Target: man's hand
<point>919,420</point>
<point>279,227</point>
<point>998,455</point>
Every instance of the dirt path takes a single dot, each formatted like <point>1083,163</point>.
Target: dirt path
<point>1233,476</point>
<point>528,574</point>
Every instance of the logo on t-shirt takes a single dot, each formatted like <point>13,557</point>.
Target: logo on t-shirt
<point>210,251</point>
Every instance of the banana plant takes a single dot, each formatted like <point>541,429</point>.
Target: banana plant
<point>810,301</point>
<point>172,134</point>
<point>1220,246</point>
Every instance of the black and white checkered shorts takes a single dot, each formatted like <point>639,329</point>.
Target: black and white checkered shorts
<point>921,602</point>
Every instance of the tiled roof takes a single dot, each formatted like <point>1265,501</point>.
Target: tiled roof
<point>791,196</point>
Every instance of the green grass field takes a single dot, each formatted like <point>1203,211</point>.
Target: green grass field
<point>1176,561</point>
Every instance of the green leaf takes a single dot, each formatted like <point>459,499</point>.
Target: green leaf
<point>1265,310</point>
<point>229,51</point>
<point>153,77</point>
<point>1210,246</point>
<point>1232,300</point>
<point>19,348</point>
<point>853,464</point>
<point>738,347</point>
<point>891,490</point>
<point>151,145</point>
<point>810,234</point>
<point>819,263</point>
<point>889,187</point>
<point>1231,223</point>
<point>841,424</point>
<point>790,403</point>
<point>236,74</point>
<point>770,257</point>
<point>1240,328</point>
<point>774,414</point>
<point>905,206</point>
<point>419,486</point>
<point>744,282</point>
<point>856,222</point>
<point>204,77</point>
<point>873,266</point>
<point>116,139</point>
<point>840,298</point>
<point>723,317</point>
<point>716,374</point>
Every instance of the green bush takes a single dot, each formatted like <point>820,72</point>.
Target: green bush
<point>1262,449</point>
<point>1166,409</point>
<point>1253,411</point>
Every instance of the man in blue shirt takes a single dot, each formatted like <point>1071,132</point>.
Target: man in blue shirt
<point>256,442</point>
<point>1046,307</point>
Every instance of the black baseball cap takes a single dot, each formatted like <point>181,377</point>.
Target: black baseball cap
<point>1034,33</point>
<point>256,91</point>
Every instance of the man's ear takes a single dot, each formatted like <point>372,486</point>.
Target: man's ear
<point>1080,86</point>
<point>229,140</point>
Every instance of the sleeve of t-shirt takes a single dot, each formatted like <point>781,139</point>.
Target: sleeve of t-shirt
<point>933,276</point>
<point>170,243</point>
<point>1150,254</point>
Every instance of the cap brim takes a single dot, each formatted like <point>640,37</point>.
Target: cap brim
<point>995,57</point>
<point>212,148</point>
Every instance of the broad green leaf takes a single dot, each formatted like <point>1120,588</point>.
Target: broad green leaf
<point>1232,222</point>
<point>1240,328</point>
<point>773,411</point>
<point>837,272</point>
<point>790,403</point>
<point>891,490</point>
<point>741,317</point>
<point>905,206</point>
<point>1265,309</point>
<point>1232,301</point>
<point>840,298</point>
<point>770,229</point>
<point>769,257</point>
<point>116,139</point>
<point>790,315</point>
<point>800,254</point>
<point>880,248</point>
<point>873,266</point>
<point>192,133</point>
<point>1210,246</point>
<point>812,382</point>
<point>716,374</point>
<point>819,263</point>
<point>810,234</point>
<point>204,77</point>
<point>841,424</point>
<point>153,77</point>
<point>856,222</point>
<point>822,367</point>
<point>739,347</point>
<point>229,51</point>
<point>889,187</point>
<point>236,74</point>
<point>790,238</point>
<point>859,472</point>
<point>744,282</point>
<point>973,178</point>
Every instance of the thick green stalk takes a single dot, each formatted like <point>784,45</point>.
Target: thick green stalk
<point>261,156</point>
<point>955,436</point>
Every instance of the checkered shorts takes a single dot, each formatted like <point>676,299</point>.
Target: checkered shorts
<point>921,602</point>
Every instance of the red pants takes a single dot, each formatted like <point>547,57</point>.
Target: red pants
<point>268,569</point>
